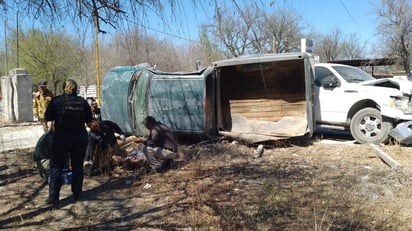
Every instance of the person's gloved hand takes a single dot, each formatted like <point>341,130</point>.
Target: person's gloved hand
<point>122,138</point>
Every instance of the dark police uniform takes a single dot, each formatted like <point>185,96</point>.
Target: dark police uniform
<point>69,113</point>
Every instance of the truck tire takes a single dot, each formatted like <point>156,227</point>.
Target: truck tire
<point>367,126</point>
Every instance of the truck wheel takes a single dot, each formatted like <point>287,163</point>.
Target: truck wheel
<point>367,126</point>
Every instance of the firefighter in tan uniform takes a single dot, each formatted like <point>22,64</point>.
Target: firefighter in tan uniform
<point>42,99</point>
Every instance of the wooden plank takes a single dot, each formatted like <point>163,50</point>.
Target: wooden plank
<point>267,109</point>
<point>265,95</point>
<point>385,157</point>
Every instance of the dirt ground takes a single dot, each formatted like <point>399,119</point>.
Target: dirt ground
<point>302,184</point>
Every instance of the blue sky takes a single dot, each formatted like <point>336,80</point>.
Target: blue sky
<point>322,16</point>
<point>350,16</point>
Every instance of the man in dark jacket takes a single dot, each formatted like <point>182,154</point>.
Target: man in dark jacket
<point>102,144</point>
<point>96,111</point>
<point>69,113</point>
<point>160,147</point>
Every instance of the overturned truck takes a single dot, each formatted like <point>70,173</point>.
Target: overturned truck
<point>254,98</point>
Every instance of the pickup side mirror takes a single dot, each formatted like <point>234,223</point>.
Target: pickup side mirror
<point>329,81</point>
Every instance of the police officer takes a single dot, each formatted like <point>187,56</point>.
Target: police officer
<point>69,113</point>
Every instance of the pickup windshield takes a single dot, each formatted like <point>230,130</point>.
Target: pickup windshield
<point>352,74</point>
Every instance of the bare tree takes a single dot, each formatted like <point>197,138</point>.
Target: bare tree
<point>130,44</point>
<point>351,47</point>
<point>252,30</point>
<point>395,27</point>
<point>328,47</point>
<point>231,33</point>
<point>210,51</point>
<point>133,47</point>
<point>163,54</point>
<point>255,29</point>
<point>284,31</point>
<point>84,59</point>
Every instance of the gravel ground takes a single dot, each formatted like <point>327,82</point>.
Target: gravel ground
<point>324,183</point>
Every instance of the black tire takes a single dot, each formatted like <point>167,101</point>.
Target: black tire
<point>367,126</point>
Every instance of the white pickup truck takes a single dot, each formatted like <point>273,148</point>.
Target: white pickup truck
<point>350,98</point>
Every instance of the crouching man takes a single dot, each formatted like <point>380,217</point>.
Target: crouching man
<point>102,145</point>
<point>159,149</point>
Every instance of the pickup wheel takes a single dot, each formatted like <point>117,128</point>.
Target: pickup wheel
<point>367,126</point>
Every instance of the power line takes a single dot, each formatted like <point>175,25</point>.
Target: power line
<point>350,15</point>
<point>293,9</point>
<point>162,32</point>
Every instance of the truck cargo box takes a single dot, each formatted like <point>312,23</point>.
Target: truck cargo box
<point>254,98</point>
<point>265,97</point>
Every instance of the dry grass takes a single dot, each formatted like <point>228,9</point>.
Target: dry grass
<point>295,185</point>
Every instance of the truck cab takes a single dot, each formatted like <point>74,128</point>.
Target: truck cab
<point>350,98</point>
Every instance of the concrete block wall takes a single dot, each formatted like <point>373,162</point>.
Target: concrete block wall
<point>6,94</point>
<point>19,137</point>
<point>17,96</point>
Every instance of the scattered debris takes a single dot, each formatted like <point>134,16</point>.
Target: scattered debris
<point>147,186</point>
<point>259,151</point>
<point>402,133</point>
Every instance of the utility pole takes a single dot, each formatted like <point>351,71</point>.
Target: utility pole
<point>17,41</point>
<point>96,25</point>
<point>5,47</point>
